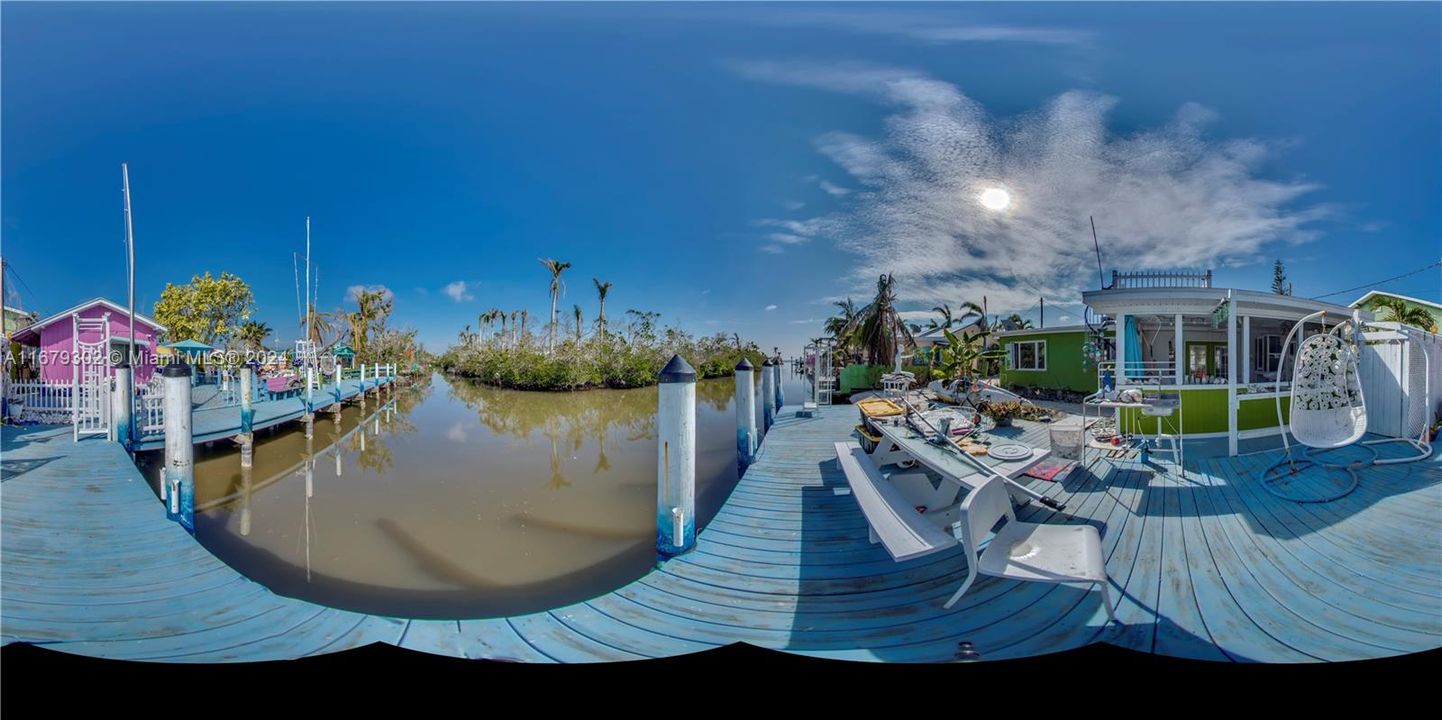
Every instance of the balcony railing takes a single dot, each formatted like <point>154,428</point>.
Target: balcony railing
<point>1160,279</point>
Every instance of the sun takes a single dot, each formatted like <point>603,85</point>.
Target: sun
<point>995,199</point>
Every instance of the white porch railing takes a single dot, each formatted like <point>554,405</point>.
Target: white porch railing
<point>39,401</point>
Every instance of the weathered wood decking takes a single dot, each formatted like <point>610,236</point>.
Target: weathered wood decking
<point>1209,567</point>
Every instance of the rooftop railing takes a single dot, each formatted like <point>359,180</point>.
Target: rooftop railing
<point>1160,279</point>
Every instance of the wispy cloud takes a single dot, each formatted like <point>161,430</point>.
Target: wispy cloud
<point>354,291</point>
<point>1166,197</point>
<point>793,205</point>
<point>931,27</point>
<point>807,321</point>
<point>769,308</point>
<point>833,189</point>
<point>457,291</point>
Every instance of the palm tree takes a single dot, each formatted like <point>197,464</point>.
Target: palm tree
<point>1017,322</point>
<point>1397,310</point>
<point>837,325</point>
<point>525,316</point>
<point>515,332</point>
<point>372,308</point>
<point>557,288</point>
<point>877,328</point>
<point>736,338</point>
<point>945,312</point>
<point>603,287</point>
<point>252,335</point>
<point>321,325</point>
<point>576,310</point>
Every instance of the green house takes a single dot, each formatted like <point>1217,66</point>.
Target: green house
<point>1368,302</point>
<point>1050,358</point>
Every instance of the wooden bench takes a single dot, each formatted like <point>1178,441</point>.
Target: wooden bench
<point>894,522</point>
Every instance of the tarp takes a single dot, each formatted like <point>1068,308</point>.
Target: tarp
<point>189,346</point>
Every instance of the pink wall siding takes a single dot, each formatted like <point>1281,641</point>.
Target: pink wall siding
<point>55,344</point>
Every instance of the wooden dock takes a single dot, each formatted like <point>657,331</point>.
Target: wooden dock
<point>1210,567</point>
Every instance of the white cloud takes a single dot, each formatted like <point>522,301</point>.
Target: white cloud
<point>456,433</point>
<point>773,249</point>
<point>807,321</point>
<point>769,308</point>
<point>1167,197</point>
<point>928,27</point>
<point>354,291</point>
<point>833,189</point>
<point>793,205</point>
<point>457,291</point>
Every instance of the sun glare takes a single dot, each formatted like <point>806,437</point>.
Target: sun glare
<point>995,199</point>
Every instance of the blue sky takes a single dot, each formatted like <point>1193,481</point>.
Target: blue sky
<point>735,167</point>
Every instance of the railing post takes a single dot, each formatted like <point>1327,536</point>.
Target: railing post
<point>122,405</point>
<point>768,393</point>
<point>676,459</point>
<point>179,472</point>
<point>745,414</point>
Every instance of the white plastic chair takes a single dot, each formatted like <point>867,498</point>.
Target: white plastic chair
<point>1027,551</point>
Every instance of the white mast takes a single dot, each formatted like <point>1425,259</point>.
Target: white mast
<point>130,244</point>
<point>307,282</point>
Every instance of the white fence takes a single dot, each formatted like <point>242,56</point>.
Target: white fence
<point>39,401</point>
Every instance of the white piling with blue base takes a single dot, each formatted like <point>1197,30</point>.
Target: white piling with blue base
<point>122,406</point>
<point>746,438</point>
<point>676,459</point>
<point>247,416</point>
<point>768,393</point>
<point>178,475</point>
<point>780,397</point>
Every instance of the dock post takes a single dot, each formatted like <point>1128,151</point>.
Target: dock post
<point>247,416</point>
<point>780,398</point>
<point>745,414</point>
<point>122,404</point>
<point>362,392</point>
<point>179,471</point>
<point>676,459</point>
<point>768,393</point>
<point>246,487</point>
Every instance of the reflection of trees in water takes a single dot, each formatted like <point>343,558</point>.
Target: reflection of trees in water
<point>716,393</point>
<point>376,455</point>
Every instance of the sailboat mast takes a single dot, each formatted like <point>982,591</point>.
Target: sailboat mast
<point>130,245</point>
<point>307,281</point>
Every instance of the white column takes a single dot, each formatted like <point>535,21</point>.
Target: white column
<point>1179,351</point>
<point>1231,375</point>
<point>768,395</point>
<point>1246,349</point>
<point>676,459</point>
<point>178,476</point>
<point>745,414</point>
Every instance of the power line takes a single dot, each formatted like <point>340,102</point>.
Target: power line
<point>1381,282</point>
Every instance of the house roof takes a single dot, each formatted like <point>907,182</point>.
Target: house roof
<point>1359,302</point>
<point>25,333</point>
<point>1202,301</point>
<point>1044,331</point>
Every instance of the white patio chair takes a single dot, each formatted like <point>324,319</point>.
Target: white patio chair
<point>1027,551</point>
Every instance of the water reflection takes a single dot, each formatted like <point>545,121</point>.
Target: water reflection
<point>455,499</point>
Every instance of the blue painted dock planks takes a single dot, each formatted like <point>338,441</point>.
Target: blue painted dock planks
<point>1212,567</point>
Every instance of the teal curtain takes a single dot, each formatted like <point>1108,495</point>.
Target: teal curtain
<point>1134,348</point>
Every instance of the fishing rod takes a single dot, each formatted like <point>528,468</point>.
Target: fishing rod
<point>945,441</point>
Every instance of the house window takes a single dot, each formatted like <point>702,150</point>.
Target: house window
<point>1028,355</point>
<point>1266,353</point>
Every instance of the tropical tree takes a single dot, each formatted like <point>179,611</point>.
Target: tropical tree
<point>945,312</point>
<point>208,309</point>
<point>556,267</point>
<point>1280,285</point>
<point>1016,322</point>
<point>878,328</point>
<point>252,335</point>
<point>836,326</point>
<point>603,288</point>
<point>1395,309</point>
<point>515,332</point>
<point>373,307</point>
<point>576,310</point>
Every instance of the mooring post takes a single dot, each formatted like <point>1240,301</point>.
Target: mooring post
<point>745,414</point>
<point>246,486</point>
<point>780,398</point>
<point>362,382</point>
<point>768,393</point>
<point>676,459</point>
<point>178,474</point>
<point>122,404</point>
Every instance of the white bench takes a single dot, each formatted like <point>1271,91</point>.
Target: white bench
<point>894,522</point>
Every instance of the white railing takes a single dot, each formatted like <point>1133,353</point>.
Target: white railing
<point>1160,278</point>
<point>150,409</point>
<point>39,394</point>
<point>1144,372</point>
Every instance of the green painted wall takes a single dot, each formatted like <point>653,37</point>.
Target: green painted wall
<point>1371,306</point>
<point>1064,366</point>
<point>1204,410</point>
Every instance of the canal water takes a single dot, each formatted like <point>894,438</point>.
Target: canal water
<point>457,500</point>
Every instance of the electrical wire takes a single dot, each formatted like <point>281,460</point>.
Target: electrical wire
<point>1381,282</point>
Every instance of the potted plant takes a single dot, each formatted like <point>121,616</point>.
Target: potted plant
<point>1001,412</point>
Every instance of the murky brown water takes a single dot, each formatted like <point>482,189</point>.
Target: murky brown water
<point>462,501</point>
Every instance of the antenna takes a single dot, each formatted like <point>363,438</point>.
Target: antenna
<point>1101,279</point>
<point>307,279</point>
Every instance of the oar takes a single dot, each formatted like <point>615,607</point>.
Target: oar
<point>945,441</point>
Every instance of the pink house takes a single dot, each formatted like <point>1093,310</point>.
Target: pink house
<point>50,344</point>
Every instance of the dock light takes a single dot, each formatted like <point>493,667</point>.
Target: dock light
<point>995,199</point>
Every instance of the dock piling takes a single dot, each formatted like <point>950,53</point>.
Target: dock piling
<point>768,393</point>
<point>745,414</point>
<point>247,416</point>
<point>122,405</point>
<point>676,459</point>
<point>178,475</point>
<point>780,397</point>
